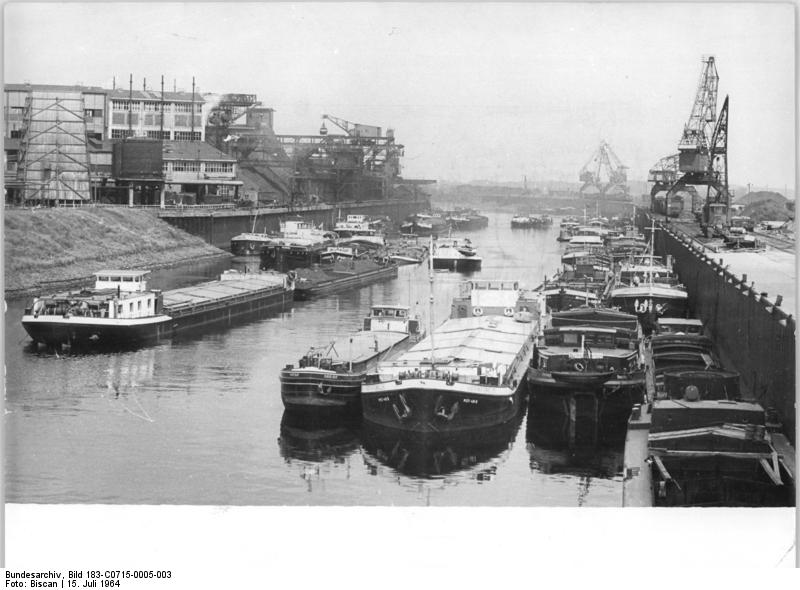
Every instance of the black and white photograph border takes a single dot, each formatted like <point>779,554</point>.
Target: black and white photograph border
<point>160,449</point>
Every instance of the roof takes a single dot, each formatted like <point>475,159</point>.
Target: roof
<point>469,341</point>
<point>55,87</point>
<point>122,273</point>
<point>194,150</point>
<point>124,93</point>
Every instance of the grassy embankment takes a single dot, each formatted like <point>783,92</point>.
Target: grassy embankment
<point>56,247</point>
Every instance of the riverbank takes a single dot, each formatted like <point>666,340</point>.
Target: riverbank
<point>57,248</point>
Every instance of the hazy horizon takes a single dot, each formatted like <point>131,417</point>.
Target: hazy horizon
<point>490,91</point>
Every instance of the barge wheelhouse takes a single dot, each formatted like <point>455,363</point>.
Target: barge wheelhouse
<point>119,310</point>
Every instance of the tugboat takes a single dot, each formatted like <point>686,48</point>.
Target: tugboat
<point>329,378</point>
<point>474,378</point>
<point>120,310</point>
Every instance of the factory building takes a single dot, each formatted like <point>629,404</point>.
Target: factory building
<point>59,145</point>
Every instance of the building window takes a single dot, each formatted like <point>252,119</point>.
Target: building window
<point>16,133</point>
<point>187,136</point>
<point>226,190</point>
<point>158,134</point>
<point>184,107</point>
<point>226,167</point>
<point>186,166</point>
<point>152,105</point>
<point>92,113</point>
<point>124,105</point>
<point>121,133</point>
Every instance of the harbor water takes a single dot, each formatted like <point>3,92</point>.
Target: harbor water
<point>199,420</point>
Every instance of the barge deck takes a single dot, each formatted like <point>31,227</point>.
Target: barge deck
<point>234,295</point>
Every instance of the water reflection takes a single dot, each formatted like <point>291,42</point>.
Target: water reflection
<point>433,456</point>
<point>585,448</point>
<point>310,438</point>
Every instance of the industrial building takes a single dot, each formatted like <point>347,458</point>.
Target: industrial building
<point>60,149</point>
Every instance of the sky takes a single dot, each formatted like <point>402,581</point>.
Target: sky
<point>489,91</point>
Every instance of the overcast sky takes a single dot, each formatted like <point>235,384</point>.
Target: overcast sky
<point>473,90</point>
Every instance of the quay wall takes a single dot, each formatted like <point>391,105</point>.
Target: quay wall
<point>752,334</point>
<point>218,226</point>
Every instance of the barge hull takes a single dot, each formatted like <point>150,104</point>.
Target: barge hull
<point>416,407</point>
<point>224,302</point>
<point>78,332</point>
<point>345,282</point>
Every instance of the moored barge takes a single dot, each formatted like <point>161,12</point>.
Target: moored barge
<point>235,295</point>
<point>328,379</point>
<point>467,374</point>
<point>345,273</point>
<point>119,310</point>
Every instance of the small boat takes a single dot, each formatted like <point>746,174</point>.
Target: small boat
<point>425,225</point>
<point>358,229</point>
<point>466,219</point>
<point>119,310</point>
<point>456,256</point>
<point>292,231</point>
<point>467,374</point>
<point>521,222</point>
<point>329,378</point>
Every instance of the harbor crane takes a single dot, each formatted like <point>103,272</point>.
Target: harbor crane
<point>604,160</point>
<point>702,158</point>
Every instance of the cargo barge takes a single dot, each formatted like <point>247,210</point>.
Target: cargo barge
<point>474,378</point>
<point>328,379</point>
<point>121,311</point>
<point>235,295</point>
<point>345,273</point>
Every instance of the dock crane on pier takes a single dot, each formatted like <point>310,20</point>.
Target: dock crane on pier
<point>604,160</point>
<point>702,158</point>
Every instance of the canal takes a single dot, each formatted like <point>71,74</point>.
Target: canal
<point>200,420</point>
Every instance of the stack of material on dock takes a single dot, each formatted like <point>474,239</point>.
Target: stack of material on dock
<point>232,295</point>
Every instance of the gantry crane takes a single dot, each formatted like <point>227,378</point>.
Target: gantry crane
<point>604,160</point>
<point>702,158</point>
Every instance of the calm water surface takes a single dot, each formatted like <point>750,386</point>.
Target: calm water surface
<point>200,420</point>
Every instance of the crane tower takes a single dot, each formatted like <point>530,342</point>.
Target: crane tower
<point>702,158</point>
<point>605,173</point>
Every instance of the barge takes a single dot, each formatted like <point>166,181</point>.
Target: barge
<point>456,256</point>
<point>328,379</point>
<point>347,272</point>
<point>235,295</point>
<point>295,231</point>
<point>474,377</point>
<point>119,310</point>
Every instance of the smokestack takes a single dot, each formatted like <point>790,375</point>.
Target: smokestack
<point>144,84</point>
<point>114,83</point>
